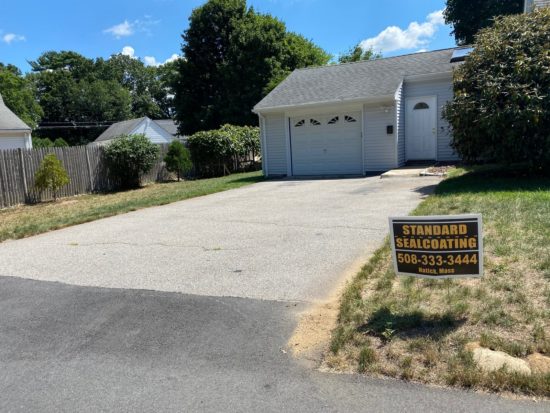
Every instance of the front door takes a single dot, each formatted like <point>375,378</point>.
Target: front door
<point>421,128</point>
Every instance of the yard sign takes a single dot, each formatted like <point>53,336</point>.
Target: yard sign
<point>448,246</point>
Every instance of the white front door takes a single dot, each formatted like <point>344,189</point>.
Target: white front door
<point>421,128</point>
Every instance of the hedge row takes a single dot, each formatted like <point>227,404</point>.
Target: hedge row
<point>228,149</point>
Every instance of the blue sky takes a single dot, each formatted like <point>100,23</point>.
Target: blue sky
<point>151,29</point>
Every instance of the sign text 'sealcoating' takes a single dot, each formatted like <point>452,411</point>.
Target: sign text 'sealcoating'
<point>437,246</point>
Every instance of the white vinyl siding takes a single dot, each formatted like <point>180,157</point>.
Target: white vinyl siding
<point>400,125</point>
<point>275,137</point>
<point>154,132</point>
<point>443,89</point>
<point>15,140</point>
<point>379,146</point>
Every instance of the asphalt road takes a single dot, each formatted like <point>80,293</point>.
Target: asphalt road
<point>88,349</point>
<point>171,339</point>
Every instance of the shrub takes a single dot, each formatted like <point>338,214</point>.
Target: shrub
<point>128,157</point>
<point>41,142</point>
<point>178,159</point>
<point>50,175</point>
<point>216,151</point>
<point>60,142</point>
<point>501,108</point>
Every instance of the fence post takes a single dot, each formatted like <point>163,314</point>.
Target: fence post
<point>89,169</point>
<point>23,174</point>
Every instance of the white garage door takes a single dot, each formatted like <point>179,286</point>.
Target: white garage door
<point>11,142</point>
<point>326,144</point>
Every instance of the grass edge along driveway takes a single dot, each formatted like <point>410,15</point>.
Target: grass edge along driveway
<point>26,220</point>
<point>419,329</point>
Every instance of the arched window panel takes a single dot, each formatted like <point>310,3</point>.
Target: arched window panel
<point>300,123</point>
<point>314,122</point>
<point>334,120</point>
<point>350,119</point>
<point>421,105</point>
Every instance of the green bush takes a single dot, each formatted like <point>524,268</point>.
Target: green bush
<point>128,157</point>
<point>216,151</point>
<point>41,142</point>
<point>501,108</point>
<point>50,175</point>
<point>60,143</point>
<point>178,159</point>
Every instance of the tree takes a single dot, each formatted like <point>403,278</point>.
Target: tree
<point>501,109</point>
<point>51,175</point>
<point>19,95</point>
<point>129,157</point>
<point>231,54</point>
<point>468,17</point>
<point>178,159</point>
<point>357,54</point>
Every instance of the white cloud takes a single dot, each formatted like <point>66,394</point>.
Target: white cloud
<point>123,29</point>
<point>172,58</point>
<point>128,28</point>
<point>150,61</point>
<point>416,35</point>
<point>9,38</point>
<point>128,51</point>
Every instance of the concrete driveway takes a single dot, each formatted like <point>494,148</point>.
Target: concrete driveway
<point>230,273</point>
<point>276,240</point>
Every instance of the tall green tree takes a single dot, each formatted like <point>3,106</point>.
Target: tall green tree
<point>19,95</point>
<point>358,54</point>
<point>468,17</point>
<point>232,55</point>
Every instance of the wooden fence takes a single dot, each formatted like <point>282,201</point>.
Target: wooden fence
<point>85,166</point>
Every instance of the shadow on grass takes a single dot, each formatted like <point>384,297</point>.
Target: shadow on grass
<point>409,325</point>
<point>491,178</point>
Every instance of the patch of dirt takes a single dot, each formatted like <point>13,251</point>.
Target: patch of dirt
<point>312,335</point>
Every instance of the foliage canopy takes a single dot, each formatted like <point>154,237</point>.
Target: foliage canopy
<point>51,175</point>
<point>178,159</point>
<point>501,108</point>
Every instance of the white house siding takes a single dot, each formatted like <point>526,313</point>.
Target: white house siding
<point>153,131</point>
<point>379,148</point>
<point>15,140</point>
<point>443,89</point>
<point>274,125</point>
<point>400,124</point>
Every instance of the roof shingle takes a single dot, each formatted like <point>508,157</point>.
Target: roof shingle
<point>9,120</point>
<point>353,81</point>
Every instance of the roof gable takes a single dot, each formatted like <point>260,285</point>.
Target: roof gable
<point>354,81</point>
<point>126,127</point>
<point>9,120</point>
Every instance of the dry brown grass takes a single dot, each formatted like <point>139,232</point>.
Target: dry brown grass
<point>416,329</point>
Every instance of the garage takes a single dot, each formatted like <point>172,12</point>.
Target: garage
<point>11,142</point>
<point>328,144</point>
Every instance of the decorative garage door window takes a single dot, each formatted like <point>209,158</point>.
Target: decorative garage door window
<point>421,105</point>
<point>334,120</point>
<point>314,122</point>
<point>350,119</point>
<point>300,123</point>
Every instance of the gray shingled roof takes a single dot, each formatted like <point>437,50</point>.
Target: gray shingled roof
<point>168,125</point>
<point>9,120</point>
<point>120,128</point>
<point>354,81</point>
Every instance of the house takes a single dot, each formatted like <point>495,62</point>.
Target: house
<point>14,133</point>
<point>531,5</point>
<point>170,126</point>
<point>355,118</point>
<point>144,125</point>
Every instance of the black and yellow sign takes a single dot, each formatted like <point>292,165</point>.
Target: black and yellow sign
<point>437,246</point>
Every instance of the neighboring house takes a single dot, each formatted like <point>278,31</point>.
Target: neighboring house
<point>531,5</point>
<point>354,118</point>
<point>170,126</point>
<point>146,126</point>
<point>14,133</point>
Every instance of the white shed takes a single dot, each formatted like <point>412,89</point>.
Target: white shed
<point>14,133</point>
<point>144,125</point>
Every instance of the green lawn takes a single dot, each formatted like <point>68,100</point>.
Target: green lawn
<point>25,220</point>
<point>417,329</point>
